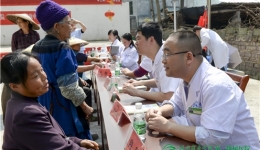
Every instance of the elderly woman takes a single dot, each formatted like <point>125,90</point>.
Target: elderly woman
<point>28,125</point>
<point>26,35</point>
<point>59,62</point>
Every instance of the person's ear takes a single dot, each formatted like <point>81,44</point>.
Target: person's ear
<point>151,39</point>
<point>14,87</point>
<point>189,58</point>
<point>56,27</point>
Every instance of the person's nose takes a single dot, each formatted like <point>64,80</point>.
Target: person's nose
<point>164,60</point>
<point>43,76</point>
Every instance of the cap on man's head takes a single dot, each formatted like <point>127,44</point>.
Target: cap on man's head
<point>48,13</point>
<point>195,28</point>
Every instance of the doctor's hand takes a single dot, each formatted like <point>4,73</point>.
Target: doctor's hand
<point>125,71</point>
<point>159,123</point>
<point>134,82</point>
<point>89,144</point>
<point>114,57</point>
<point>152,111</point>
<point>130,89</point>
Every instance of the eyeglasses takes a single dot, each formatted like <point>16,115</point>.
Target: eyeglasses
<point>67,22</point>
<point>165,56</point>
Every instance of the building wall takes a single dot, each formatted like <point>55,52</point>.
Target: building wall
<point>195,3</point>
<point>248,44</point>
<point>91,15</point>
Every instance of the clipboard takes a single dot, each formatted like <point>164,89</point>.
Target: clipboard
<point>114,50</point>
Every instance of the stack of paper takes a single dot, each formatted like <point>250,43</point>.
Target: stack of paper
<point>144,88</point>
<point>131,109</point>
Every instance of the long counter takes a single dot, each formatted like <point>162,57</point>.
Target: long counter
<point>115,137</point>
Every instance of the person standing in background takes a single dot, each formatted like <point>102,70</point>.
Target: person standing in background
<point>77,32</point>
<point>26,35</point>
<point>215,45</point>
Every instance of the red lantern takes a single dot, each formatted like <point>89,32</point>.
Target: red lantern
<point>110,2</point>
<point>109,14</point>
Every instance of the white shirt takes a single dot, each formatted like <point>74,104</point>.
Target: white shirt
<point>225,119</point>
<point>77,34</point>
<point>129,58</point>
<point>147,64</point>
<point>216,46</point>
<point>164,84</point>
<point>121,46</point>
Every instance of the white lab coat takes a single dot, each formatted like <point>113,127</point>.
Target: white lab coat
<point>216,46</point>
<point>121,46</point>
<point>164,84</point>
<point>147,64</point>
<point>234,56</point>
<point>129,58</point>
<point>223,105</point>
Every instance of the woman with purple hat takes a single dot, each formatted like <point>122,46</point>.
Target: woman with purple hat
<point>59,62</point>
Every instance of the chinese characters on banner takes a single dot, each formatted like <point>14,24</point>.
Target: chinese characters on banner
<point>61,2</point>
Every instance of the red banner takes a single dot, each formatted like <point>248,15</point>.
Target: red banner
<point>61,2</point>
<point>5,21</point>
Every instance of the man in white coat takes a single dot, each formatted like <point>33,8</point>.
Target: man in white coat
<point>149,44</point>
<point>215,107</point>
<point>215,44</point>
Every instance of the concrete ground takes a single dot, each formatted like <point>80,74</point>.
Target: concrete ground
<point>252,94</point>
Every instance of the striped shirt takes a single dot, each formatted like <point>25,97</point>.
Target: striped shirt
<point>21,41</point>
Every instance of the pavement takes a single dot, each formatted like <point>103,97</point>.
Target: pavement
<point>252,95</point>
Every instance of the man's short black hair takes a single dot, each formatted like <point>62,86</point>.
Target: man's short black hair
<point>151,29</point>
<point>195,28</point>
<point>187,41</point>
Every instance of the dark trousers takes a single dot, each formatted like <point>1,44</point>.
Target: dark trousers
<point>213,64</point>
<point>88,100</point>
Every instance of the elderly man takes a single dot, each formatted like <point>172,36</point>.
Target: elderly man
<point>214,119</point>
<point>149,44</point>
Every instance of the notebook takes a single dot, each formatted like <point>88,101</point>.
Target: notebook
<point>114,50</point>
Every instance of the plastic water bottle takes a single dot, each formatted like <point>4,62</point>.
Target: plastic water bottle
<point>119,61</point>
<point>96,53</point>
<point>117,70</point>
<point>92,52</point>
<point>139,121</point>
<point>110,84</point>
<point>114,81</point>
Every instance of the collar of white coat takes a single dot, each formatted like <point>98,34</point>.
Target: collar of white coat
<point>129,48</point>
<point>199,74</point>
<point>158,57</point>
<point>116,42</point>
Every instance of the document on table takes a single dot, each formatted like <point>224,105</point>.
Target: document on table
<point>131,109</point>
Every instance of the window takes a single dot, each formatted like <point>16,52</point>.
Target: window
<point>131,8</point>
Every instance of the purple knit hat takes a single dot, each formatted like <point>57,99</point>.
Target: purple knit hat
<point>48,13</point>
